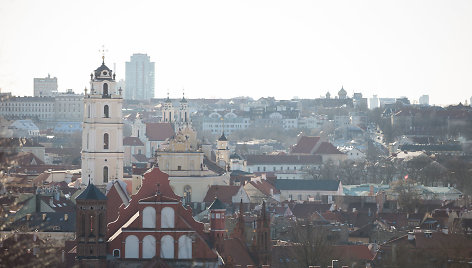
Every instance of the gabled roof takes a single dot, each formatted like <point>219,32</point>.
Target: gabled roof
<point>159,131</point>
<point>91,193</point>
<point>305,145</point>
<point>224,193</point>
<point>132,141</point>
<point>327,148</point>
<point>314,185</point>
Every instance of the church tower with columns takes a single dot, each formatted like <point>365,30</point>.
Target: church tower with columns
<point>102,136</point>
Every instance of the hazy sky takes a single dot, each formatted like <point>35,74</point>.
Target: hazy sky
<point>251,48</point>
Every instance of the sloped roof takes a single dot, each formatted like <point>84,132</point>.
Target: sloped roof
<point>224,193</point>
<point>24,159</point>
<point>264,186</point>
<point>238,251</point>
<point>352,252</point>
<point>222,137</point>
<point>283,159</point>
<point>305,145</point>
<point>91,193</point>
<point>317,185</point>
<point>159,131</point>
<point>305,210</point>
<point>217,204</point>
<point>140,158</point>
<point>327,148</point>
<point>132,141</point>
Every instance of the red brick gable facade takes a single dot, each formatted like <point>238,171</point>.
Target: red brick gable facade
<point>156,225</point>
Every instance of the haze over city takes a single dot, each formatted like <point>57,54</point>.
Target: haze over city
<point>215,49</point>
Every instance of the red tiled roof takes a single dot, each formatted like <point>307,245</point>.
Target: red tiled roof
<point>305,145</point>
<point>223,192</point>
<point>159,131</point>
<point>283,159</point>
<point>327,148</point>
<point>238,251</point>
<point>41,178</point>
<point>132,141</point>
<point>352,252</point>
<point>264,186</point>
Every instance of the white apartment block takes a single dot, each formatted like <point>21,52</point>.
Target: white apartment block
<point>62,107</point>
<point>216,123</point>
<point>45,87</point>
<point>69,107</point>
<point>41,108</point>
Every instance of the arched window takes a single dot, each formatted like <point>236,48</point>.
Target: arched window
<point>106,111</point>
<point>149,217</point>
<point>187,194</point>
<point>131,247</point>
<point>105,89</point>
<point>167,247</point>
<point>149,247</point>
<point>167,217</point>
<point>105,174</point>
<point>106,142</point>
<point>185,247</point>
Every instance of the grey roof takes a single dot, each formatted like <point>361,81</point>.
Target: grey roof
<point>217,204</point>
<point>223,137</point>
<point>103,67</point>
<point>91,193</point>
<point>52,222</point>
<point>320,185</point>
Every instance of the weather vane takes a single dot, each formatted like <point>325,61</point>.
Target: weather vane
<point>103,50</point>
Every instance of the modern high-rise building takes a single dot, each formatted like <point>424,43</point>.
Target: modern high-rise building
<point>139,78</point>
<point>424,100</point>
<point>45,87</point>
<point>374,102</point>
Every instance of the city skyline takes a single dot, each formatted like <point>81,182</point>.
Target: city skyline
<point>222,50</point>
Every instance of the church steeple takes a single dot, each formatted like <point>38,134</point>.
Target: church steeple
<point>102,136</point>
<point>240,230</point>
<point>263,245</point>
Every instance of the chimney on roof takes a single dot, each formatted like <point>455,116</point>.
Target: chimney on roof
<point>66,217</point>
<point>44,216</point>
<point>38,201</point>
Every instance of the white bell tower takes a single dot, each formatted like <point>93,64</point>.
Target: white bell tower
<point>102,136</point>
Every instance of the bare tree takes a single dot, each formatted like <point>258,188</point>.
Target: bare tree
<point>313,246</point>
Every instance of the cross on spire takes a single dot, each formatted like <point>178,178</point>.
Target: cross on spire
<point>103,50</point>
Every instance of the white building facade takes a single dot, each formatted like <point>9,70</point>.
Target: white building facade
<point>102,136</point>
